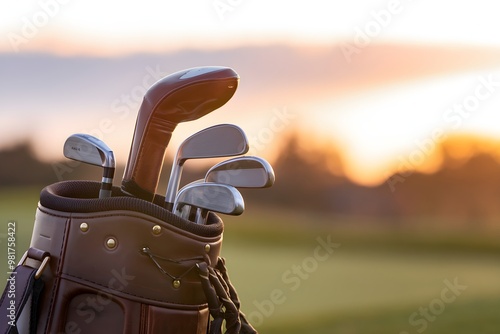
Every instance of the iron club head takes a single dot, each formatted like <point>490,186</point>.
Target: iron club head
<point>239,172</point>
<point>242,172</point>
<point>221,198</point>
<point>217,141</point>
<point>91,150</point>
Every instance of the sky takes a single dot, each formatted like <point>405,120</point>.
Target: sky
<point>385,81</point>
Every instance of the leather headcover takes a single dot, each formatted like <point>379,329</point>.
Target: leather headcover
<point>179,97</point>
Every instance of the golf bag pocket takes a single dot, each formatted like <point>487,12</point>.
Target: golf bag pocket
<point>120,264</point>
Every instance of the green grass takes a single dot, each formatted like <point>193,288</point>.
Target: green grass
<point>353,284</point>
<point>17,205</point>
<point>371,283</point>
<point>476,317</point>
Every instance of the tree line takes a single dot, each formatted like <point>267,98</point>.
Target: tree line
<point>465,190</point>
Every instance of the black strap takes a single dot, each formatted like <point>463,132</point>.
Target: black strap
<point>223,301</point>
<point>246,327</point>
<point>21,284</point>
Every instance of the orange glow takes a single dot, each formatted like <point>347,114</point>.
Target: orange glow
<point>374,110</point>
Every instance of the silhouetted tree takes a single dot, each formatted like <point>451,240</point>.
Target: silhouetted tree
<point>19,166</point>
<point>465,191</point>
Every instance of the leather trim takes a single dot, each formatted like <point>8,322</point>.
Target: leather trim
<point>82,197</point>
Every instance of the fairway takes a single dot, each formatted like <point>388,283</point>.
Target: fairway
<point>355,284</point>
<point>298,278</point>
<point>372,282</point>
<point>17,205</point>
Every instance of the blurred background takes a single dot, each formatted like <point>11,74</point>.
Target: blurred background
<point>380,118</point>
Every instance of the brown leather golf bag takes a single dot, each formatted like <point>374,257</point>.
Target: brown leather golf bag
<point>123,263</point>
<point>119,265</point>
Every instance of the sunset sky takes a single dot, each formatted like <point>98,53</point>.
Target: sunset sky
<point>383,80</point>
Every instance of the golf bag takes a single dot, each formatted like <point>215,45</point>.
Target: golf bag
<point>119,265</point>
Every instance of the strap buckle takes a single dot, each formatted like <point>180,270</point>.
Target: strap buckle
<point>40,270</point>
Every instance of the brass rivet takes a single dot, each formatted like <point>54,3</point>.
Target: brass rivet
<point>207,248</point>
<point>84,227</point>
<point>111,243</point>
<point>176,284</point>
<point>156,229</point>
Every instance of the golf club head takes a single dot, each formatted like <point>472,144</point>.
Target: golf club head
<point>91,150</point>
<point>221,140</point>
<point>242,172</point>
<point>179,97</point>
<point>221,198</point>
<point>88,149</point>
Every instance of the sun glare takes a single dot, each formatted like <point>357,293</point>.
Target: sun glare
<point>115,27</point>
<point>386,121</point>
<point>400,126</point>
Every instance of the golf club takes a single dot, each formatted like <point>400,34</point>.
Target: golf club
<point>179,97</point>
<point>217,141</point>
<point>221,198</point>
<point>242,172</point>
<point>91,150</point>
<point>239,172</point>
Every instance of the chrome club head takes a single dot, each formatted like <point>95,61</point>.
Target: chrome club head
<point>239,172</point>
<point>242,172</point>
<point>207,196</point>
<point>217,141</point>
<point>91,150</point>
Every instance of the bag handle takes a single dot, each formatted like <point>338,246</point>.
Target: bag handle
<point>24,282</point>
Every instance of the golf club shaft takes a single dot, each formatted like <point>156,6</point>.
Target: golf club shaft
<point>201,216</point>
<point>185,212</point>
<point>107,182</point>
<point>172,187</point>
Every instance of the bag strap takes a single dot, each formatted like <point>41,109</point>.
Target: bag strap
<point>246,327</point>
<point>223,302</point>
<point>24,282</point>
